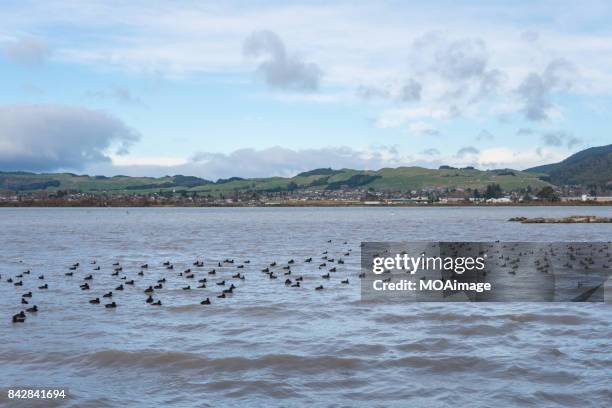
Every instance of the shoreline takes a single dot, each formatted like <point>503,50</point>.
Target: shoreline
<point>295,205</point>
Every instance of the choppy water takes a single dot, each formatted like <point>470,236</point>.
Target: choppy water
<point>269,345</point>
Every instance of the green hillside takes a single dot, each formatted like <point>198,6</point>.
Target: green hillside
<point>388,179</point>
<point>590,167</point>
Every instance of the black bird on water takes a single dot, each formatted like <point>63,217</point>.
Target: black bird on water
<point>205,301</point>
<point>110,305</point>
<point>32,309</point>
<point>45,286</point>
<point>319,287</point>
<point>28,295</point>
<point>19,317</point>
<point>108,295</point>
<point>95,301</point>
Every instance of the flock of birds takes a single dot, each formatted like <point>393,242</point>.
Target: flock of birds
<point>575,256</point>
<point>193,278</point>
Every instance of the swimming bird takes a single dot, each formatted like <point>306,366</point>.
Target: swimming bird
<point>144,266</point>
<point>163,280</point>
<point>84,286</point>
<point>141,273</point>
<point>288,282</point>
<point>149,299</point>
<point>88,277</point>
<point>149,290</point>
<point>308,260</point>
<point>158,286</point>
<point>107,295</point>
<point>222,283</point>
<point>319,287</point>
<point>205,301</point>
<point>110,305</point>
<point>345,281</point>
<point>32,309</point>
<point>95,301</point>
<point>41,277</point>
<point>120,287</point>
<point>23,301</point>
<point>130,282</point>
<point>202,286</point>
<point>28,295</point>
<point>326,276</point>
<point>296,285</point>
<point>20,283</point>
<point>97,268</point>
<point>187,288</point>
<point>221,296</point>
<point>158,303</point>
<point>212,272</point>
<point>45,286</point>
<point>19,317</point>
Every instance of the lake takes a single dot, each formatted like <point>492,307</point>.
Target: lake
<point>269,344</point>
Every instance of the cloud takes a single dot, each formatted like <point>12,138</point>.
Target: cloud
<point>462,59</point>
<point>466,151</point>
<point>26,51</point>
<point>485,135</point>
<point>411,91</point>
<point>279,69</point>
<point>423,128</point>
<point>54,137</point>
<point>372,92</point>
<point>525,131</point>
<point>118,94</point>
<point>431,152</point>
<point>536,88</point>
<point>272,161</point>
<point>560,138</point>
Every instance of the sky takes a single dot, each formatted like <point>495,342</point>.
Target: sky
<point>273,88</point>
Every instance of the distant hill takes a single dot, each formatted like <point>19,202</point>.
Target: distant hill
<point>388,179</point>
<point>590,167</point>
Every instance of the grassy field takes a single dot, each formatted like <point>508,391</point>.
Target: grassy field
<point>400,179</point>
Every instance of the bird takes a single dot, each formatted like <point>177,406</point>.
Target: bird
<point>107,295</point>
<point>205,301</point>
<point>187,288</point>
<point>149,290</point>
<point>19,317</point>
<point>345,281</point>
<point>27,295</point>
<point>32,309</point>
<point>149,299</point>
<point>110,305</point>
<point>95,301</point>
<point>319,287</point>
<point>120,287</point>
<point>158,303</point>
<point>45,286</point>
<point>84,286</point>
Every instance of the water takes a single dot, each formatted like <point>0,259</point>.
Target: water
<point>269,345</point>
